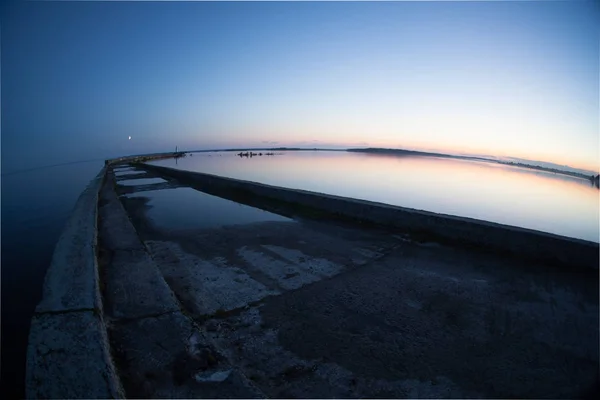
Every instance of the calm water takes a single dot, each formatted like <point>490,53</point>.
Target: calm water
<point>125,172</point>
<point>509,195</point>
<point>186,208</point>
<point>141,181</point>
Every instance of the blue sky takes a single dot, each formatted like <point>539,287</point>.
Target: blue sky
<point>499,78</point>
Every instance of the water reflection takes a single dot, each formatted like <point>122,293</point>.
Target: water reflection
<point>186,208</point>
<point>141,181</point>
<point>544,201</point>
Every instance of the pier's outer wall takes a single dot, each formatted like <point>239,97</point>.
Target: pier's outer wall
<point>142,158</point>
<point>520,242</point>
<point>68,353</point>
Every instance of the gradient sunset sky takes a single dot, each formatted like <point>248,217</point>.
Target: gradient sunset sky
<point>497,78</point>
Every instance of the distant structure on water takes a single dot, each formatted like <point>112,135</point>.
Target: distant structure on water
<point>251,154</point>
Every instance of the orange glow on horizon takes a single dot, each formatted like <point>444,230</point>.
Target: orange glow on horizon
<point>357,141</point>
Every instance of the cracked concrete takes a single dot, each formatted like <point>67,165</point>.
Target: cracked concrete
<point>70,339</point>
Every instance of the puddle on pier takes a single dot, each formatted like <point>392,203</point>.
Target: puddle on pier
<point>123,168</point>
<point>187,208</point>
<point>141,181</point>
<point>130,171</point>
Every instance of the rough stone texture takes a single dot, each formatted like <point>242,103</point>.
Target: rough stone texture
<point>227,268</point>
<point>289,275</point>
<point>158,350</point>
<point>457,230</point>
<point>68,358</point>
<point>316,266</point>
<point>116,230</point>
<point>67,354</point>
<point>134,286</point>
<point>167,357</point>
<point>71,282</point>
<point>206,286</point>
<point>369,314</point>
<point>422,322</point>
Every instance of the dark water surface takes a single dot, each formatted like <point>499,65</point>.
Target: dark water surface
<point>186,208</point>
<point>35,207</point>
<point>141,181</point>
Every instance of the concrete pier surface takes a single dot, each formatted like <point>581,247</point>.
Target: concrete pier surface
<point>301,307</point>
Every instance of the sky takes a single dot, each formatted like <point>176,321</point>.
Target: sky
<point>517,79</point>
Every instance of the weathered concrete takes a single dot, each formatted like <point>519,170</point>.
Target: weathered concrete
<point>142,157</point>
<point>408,321</point>
<point>343,311</point>
<point>167,357</point>
<point>159,351</point>
<point>206,286</point>
<point>521,242</point>
<point>71,281</point>
<point>133,286</point>
<point>68,355</point>
<point>68,358</point>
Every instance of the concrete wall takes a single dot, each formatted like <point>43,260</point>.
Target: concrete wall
<point>142,158</point>
<point>68,354</point>
<point>504,239</point>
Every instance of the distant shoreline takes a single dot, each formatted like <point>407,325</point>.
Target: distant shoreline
<point>590,177</point>
<point>377,150</point>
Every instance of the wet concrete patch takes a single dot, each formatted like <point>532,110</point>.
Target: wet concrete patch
<point>417,318</point>
<point>254,345</point>
<point>166,357</point>
<point>135,175</point>
<point>186,208</point>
